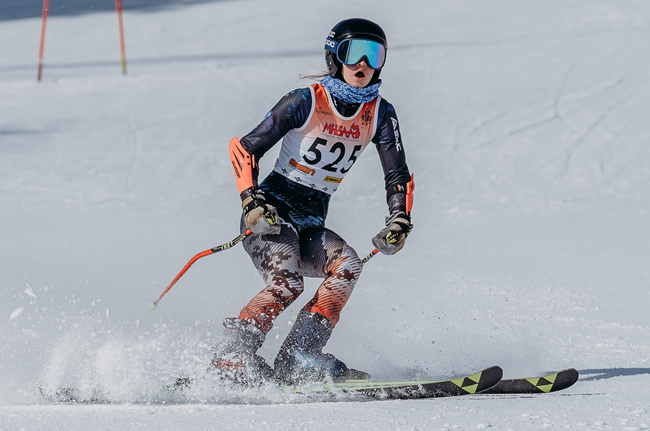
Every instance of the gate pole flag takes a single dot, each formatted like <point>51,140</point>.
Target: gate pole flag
<point>118,6</point>
<point>46,6</point>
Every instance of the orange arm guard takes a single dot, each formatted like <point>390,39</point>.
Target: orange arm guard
<point>410,186</point>
<point>243,164</point>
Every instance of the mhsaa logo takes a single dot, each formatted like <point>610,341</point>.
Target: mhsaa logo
<point>338,130</point>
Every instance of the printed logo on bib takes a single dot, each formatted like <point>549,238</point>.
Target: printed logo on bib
<point>321,111</point>
<point>366,118</point>
<point>332,179</point>
<point>302,168</point>
<point>338,130</point>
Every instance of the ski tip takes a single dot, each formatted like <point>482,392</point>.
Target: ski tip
<point>571,372</point>
<point>551,382</point>
<point>557,381</point>
<point>489,377</point>
<point>494,371</point>
<point>479,382</point>
<point>497,369</point>
<point>568,378</point>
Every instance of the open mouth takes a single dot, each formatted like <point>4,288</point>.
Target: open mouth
<point>360,74</point>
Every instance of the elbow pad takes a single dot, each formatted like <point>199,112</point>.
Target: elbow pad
<point>243,165</point>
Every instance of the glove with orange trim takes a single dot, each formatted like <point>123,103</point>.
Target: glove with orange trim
<point>391,239</point>
<point>261,218</point>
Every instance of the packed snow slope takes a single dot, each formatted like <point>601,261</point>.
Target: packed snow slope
<point>20,9</point>
<point>525,123</point>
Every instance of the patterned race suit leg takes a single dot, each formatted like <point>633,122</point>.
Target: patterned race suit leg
<point>326,255</point>
<point>282,260</point>
<point>277,259</point>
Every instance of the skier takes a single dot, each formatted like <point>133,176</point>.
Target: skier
<point>324,129</point>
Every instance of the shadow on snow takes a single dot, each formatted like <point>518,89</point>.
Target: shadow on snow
<point>608,373</point>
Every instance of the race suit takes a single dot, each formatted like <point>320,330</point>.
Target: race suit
<point>322,139</point>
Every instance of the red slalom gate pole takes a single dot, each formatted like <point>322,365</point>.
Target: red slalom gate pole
<point>46,7</point>
<point>118,6</point>
<point>153,306</point>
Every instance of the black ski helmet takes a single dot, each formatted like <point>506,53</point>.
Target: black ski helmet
<point>353,28</point>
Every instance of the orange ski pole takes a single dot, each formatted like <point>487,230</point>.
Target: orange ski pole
<point>153,306</point>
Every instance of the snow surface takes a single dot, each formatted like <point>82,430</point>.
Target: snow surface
<point>525,123</point>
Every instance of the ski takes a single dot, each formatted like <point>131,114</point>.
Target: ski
<point>472,384</point>
<point>486,382</point>
<point>468,385</point>
<point>552,382</point>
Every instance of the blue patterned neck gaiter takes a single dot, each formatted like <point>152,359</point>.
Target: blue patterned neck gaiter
<point>348,93</point>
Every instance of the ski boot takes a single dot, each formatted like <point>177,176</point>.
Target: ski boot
<point>235,358</point>
<point>301,358</point>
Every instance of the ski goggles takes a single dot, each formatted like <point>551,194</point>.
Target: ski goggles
<point>352,51</point>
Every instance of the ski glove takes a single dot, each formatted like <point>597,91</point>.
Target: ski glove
<point>391,238</point>
<point>261,218</point>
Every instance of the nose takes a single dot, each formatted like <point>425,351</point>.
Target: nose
<point>364,63</point>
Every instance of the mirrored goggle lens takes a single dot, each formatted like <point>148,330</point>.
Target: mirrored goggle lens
<point>351,52</point>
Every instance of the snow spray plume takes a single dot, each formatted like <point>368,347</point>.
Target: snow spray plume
<point>153,306</point>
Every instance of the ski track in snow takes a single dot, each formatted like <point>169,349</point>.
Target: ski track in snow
<point>524,122</point>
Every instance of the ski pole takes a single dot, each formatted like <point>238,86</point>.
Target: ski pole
<point>369,256</point>
<point>153,306</point>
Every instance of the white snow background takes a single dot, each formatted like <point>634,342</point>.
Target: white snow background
<point>524,121</point>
